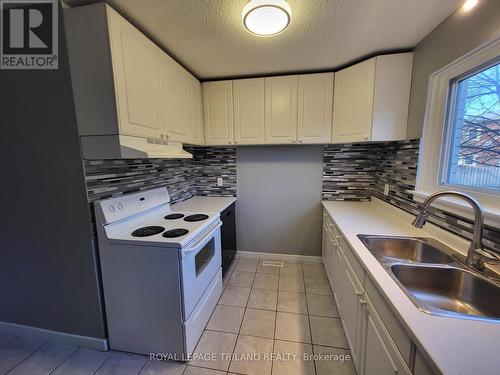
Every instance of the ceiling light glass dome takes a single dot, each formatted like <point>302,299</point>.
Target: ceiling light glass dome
<point>266,17</point>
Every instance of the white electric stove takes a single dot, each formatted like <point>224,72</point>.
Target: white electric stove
<point>161,272</point>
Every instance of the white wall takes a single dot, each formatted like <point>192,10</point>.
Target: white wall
<point>279,199</point>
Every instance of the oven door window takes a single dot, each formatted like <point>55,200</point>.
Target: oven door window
<point>204,256</point>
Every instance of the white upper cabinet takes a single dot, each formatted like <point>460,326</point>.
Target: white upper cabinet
<point>127,90</point>
<point>315,95</point>
<point>218,112</point>
<point>174,99</point>
<point>249,115</point>
<point>370,101</point>
<point>281,109</point>
<point>391,97</point>
<point>197,134</point>
<point>136,76</point>
<point>353,102</point>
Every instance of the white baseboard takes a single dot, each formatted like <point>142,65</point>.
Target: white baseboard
<point>54,336</point>
<point>290,257</point>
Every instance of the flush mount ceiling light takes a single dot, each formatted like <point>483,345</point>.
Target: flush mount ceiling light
<point>266,17</point>
<point>469,4</point>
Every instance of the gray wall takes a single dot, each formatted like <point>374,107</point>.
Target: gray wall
<point>48,275</point>
<point>279,199</point>
<point>455,36</point>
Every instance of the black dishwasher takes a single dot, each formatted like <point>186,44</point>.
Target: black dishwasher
<point>228,237</point>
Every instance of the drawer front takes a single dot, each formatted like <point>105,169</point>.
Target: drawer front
<point>194,326</point>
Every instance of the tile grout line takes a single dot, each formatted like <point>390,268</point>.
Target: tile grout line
<point>310,328</point>
<point>65,359</point>
<point>241,324</point>
<point>276,319</point>
<point>9,342</point>
<point>231,271</point>
<point>102,365</point>
<point>29,356</point>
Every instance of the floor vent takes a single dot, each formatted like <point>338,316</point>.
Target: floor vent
<point>269,263</point>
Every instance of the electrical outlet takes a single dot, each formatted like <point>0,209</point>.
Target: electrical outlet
<point>219,181</point>
<point>386,189</point>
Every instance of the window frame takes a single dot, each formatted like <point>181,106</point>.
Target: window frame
<point>436,140</point>
<point>448,129</point>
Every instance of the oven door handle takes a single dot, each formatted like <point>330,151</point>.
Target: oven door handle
<point>202,243</point>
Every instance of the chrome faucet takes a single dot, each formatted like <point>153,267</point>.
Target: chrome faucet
<point>476,255</point>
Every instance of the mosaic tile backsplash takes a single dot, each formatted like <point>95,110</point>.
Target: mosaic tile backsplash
<point>366,168</point>
<point>212,163</point>
<point>184,178</point>
<point>348,172</point>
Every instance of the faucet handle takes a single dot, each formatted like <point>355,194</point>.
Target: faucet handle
<point>487,256</point>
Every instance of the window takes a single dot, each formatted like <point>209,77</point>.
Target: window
<point>471,155</point>
<point>461,138</point>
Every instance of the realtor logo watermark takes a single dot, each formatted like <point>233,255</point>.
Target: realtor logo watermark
<point>29,34</point>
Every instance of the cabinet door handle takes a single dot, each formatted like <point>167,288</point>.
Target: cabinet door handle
<point>300,141</point>
<point>362,302</point>
<point>359,293</point>
<point>365,137</point>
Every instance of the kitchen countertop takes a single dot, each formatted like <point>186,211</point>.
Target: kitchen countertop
<point>456,346</point>
<point>204,204</point>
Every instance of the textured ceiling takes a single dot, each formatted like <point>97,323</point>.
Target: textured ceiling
<point>208,38</point>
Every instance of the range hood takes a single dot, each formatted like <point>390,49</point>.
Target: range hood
<point>128,147</point>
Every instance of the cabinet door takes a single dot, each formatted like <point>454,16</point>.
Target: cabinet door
<point>337,273</point>
<point>380,355</point>
<point>136,76</point>
<point>353,103</point>
<point>334,260</point>
<point>349,293</point>
<point>391,96</point>
<point>324,246</point>
<point>218,112</point>
<point>281,109</point>
<point>331,250</point>
<point>315,103</point>
<point>197,134</point>
<point>174,99</point>
<point>249,102</point>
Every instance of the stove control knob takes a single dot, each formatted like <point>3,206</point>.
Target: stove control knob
<point>120,206</point>
<point>111,209</point>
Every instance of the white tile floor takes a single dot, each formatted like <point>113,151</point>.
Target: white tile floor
<point>283,315</point>
<point>280,314</point>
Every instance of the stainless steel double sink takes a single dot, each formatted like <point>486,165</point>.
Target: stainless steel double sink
<point>435,279</point>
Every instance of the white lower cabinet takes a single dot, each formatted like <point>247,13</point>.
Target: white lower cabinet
<point>373,349</point>
<point>380,354</point>
<point>348,296</point>
<point>325,248</point>
<point>327,253</point>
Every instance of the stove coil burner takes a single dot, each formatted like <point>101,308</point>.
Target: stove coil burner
<point>175,233</point>
<point>147,231</point>
<point>174,216</point>
<point>196,217</point>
